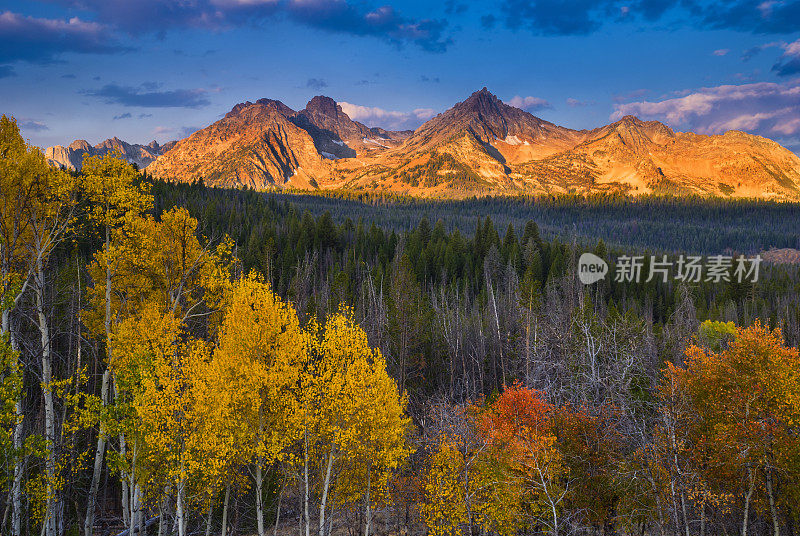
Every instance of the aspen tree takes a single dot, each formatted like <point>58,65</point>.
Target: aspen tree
<point>113,190</point>
<point>257,365</point>
<point>349,408</point>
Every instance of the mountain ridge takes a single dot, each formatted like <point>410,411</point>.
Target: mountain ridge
<point>479,146</point>
<point>71,156</point>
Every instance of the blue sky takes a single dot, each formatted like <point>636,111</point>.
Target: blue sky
<point>158,69</point>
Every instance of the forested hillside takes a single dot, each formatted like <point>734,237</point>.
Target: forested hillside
<point>179,359</point>
<point>672,224</point>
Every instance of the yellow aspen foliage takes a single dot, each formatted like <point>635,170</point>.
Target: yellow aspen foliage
<point>444,510</point>
<point>113,189</point>
<point>162,373</point>
<point>256,366</point>
<point>163,261</point>
<point>351,413</point>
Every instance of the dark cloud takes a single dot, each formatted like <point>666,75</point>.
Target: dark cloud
<point>148,96</point>
<point>126,115</point>
<point>68,76</point>
<point>434,79</point>
<point>787,67</point>
<point>384,22</point>
<point>488,21</point>
<point>7,71</point>
<point>789,64</point>
<point>339,16</point>
<point>549,17</point>
<point>39,40</point>
<point>316,84</point>
<point>144,116</point>
<point>34,126</point>
<point>451,7</point>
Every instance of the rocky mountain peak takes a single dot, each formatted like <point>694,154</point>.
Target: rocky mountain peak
<point>270,105</point>
<point>79,145</point>
<point>324,105</point>
<point>483,102</point>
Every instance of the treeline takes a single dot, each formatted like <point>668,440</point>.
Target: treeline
<point>178,359</point>
<point>671,224</point>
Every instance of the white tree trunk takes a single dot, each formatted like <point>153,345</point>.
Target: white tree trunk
<point>16,486</point>
<point>225,511</point>
<point>91,501</point>
<point>180,514</point>
<point>99,453</point>
<point>306,515</point>
<point>325,486</point>
<point>367,507</point>
<point>776,526</point>
<point>260,498</point>
<point>747,499</point>
<point>51,509</point>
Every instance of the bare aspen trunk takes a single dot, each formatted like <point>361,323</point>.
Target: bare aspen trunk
<point>161,518</point>
<point>91,501</point>
<point>367,507</point>
<point>225,511</point>
<point>702,519</point>
<point>99,453</point>
<point>748,496</point>
<point>142,522</point>
<point>776,526</point>
<point>135,504</point>
<point>278,509</point>
<point>208,521</point>
<point>180,514</point>
<point>51,509</point>
<point>259,498</point>
<point>325,486</point>
<point>126,492</point>
<point>16,486</point>
<point>305,483</point>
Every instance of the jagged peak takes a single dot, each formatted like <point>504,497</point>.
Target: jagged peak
<point>631,122</point>
<point>323,104</point>
<point>272,104</point>
<point>482,98</point>
<point>79,144</point>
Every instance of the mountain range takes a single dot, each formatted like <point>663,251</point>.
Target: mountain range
<point>479,146</point>
<point>71,156</point>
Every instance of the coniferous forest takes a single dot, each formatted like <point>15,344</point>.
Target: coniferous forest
<point>179,359</point>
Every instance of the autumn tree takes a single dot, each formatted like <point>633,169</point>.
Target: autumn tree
<point>351,415</point>
<point>166,268</point>
<point>256,365</point>
<point>518,427</point>
<point>113,190</point>
<point>740,409</point>
<point>161,371</point>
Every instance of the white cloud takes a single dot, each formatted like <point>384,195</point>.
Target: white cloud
<point>792,49</point>
<point>765,108</point>
<point>721,52</point>
<point>374,116</point>
<point>528,103</point>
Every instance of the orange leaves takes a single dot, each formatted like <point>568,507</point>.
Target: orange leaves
<point>735,409</point>
<point>517,420</point>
